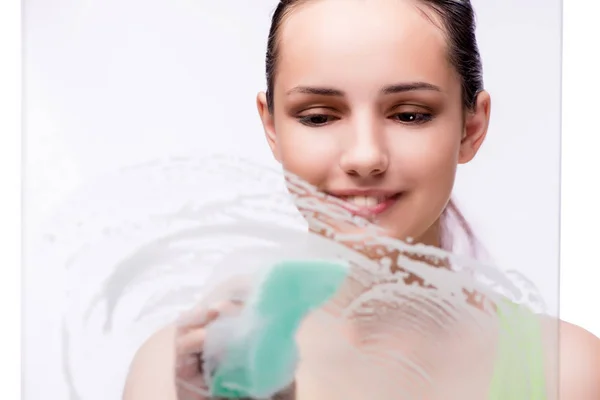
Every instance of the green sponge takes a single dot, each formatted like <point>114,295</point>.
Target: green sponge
<point>262,360</point>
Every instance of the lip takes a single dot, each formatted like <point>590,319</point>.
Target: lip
<point>371,211</point>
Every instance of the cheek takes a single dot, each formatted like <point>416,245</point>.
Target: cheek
<point>428,159</point>
<point>306,153</point>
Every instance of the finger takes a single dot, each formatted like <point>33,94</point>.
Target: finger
<point>200,317</point>
<point>192,389</point>
<point>189,366</point>
<point>190,342</point>
<point>190,339</point>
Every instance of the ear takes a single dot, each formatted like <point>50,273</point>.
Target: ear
<point>268,123</point>
<point>476,127</point>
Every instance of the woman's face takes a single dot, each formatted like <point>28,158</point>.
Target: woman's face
<point>368,108</point>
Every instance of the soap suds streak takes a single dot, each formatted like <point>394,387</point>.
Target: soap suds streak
<point>133,269</point>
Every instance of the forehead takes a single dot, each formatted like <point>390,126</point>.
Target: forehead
<point>362,43</point>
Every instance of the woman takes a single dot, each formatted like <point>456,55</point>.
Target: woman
<point>376,103</point>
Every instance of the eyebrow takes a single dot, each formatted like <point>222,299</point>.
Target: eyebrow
<point>410,87</point>
<point>319,91</point>
<point>390,89</point>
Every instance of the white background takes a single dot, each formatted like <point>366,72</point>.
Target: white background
<point>579,294</point>
<point>113,83</point>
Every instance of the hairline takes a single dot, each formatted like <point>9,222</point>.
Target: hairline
<point>431,15</point>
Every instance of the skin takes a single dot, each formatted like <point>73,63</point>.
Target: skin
<point>367,140</point>
<point>409,142</point>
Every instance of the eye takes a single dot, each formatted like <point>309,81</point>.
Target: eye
<point>412,117</point>
<point>316,120</point>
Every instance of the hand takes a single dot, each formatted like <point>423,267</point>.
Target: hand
<point>189,342</point>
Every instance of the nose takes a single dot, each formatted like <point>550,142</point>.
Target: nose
<point>367,154</point>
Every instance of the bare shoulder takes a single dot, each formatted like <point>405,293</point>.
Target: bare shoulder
<point>151,374</point>
<point>577,360</point>
<point>579,363</point>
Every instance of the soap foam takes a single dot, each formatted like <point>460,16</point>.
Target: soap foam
<point>168,232</point>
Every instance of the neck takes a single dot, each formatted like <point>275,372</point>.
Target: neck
<point>433,235</point>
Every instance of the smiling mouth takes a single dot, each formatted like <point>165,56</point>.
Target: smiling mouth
<point>368,206</point>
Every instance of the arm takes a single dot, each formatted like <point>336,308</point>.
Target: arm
<point>152,372</point>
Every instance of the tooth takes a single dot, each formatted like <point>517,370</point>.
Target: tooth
<point>364,201</point>
<point>356,200</point>
<point>371,201</point>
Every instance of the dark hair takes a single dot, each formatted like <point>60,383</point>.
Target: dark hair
<point>458,23</point>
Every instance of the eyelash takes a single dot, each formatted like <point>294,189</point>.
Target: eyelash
<point>419,118</point>
<point>305,120</point>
